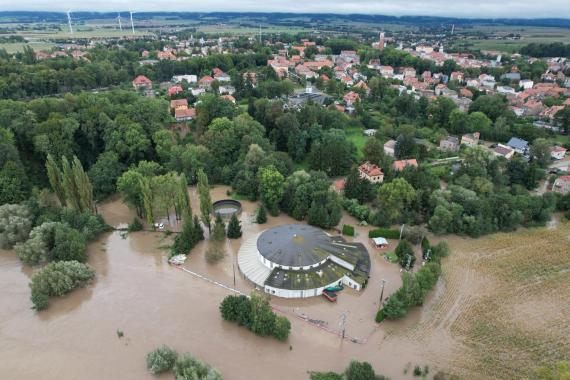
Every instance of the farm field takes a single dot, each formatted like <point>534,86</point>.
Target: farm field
<point>12,48</point>
<point>502,308</point>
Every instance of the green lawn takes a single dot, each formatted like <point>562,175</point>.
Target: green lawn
<point>356,135</point>
<point>391,256</point>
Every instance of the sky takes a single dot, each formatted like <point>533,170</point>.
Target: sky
<point>455,8</point>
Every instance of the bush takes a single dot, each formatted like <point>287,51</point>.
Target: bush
<point>161,360</point>
<point>256,315</point>
<point>385,233</point>
<point>405,253</point>
<point>261,216</point>
<point>215,253</point>
<point>234,228</point>
<point>57,279</point>
<point>135,225</point>
<point>15,224</point>
<point>414,234</point>
<point>189,368</point>
<point>348,230</point>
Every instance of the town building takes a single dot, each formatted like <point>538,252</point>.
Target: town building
<point>300,261</point>
<point>390,148</point>
<point>518,145</point>
<point>142,82</point>
<point>402,164</point>
<point>562,184</point>
<point>470,139</point>
<point>504,151</point>
<point>557,152</point>
<point>371,172</point>
<point>450,143</point>
<point>185,114</point>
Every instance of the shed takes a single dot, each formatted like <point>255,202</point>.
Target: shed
<point>380,242</point>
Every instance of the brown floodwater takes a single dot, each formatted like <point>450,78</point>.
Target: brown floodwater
<point>153,303</point>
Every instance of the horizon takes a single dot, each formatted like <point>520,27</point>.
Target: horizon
<point>463,9</point>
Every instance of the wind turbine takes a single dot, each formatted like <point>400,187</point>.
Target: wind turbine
<point>69,21</point>
<point>132,24</point>
<point>119,18</point>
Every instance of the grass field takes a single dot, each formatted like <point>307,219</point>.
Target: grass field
<point>502,309</point>
<point>18,47</point>
<point>356,135</point>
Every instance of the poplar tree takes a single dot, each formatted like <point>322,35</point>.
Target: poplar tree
<point>205,199</point>
<point>71,191</point>
<point>147,197</point>
<point>183,202</point>
<point>83,185</point>
<point>56,179</point>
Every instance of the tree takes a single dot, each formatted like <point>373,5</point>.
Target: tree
<point>205,199</point>
<point>219,230</point>
<point>57,279</point>
<point>540,151</point>
<point>394,197</point>
<point>161,359</point>
<point>187,367</point>
<point>263,318</point>
<point>360,371</point>
<point>147,201</point>
<point>333,154</point>
<point>215,253</point>
<point>69,244</point>
<point>130,187</point>
<point>261,215</point>
<point>104,174</point>
<point>183,206</point>
<point>15,224</point>
<point>282,328</point>
<point>374,152</point>
<point>234,228</point>
<point>186,239</point>
<point>357,188</point>
<point>405,253</point>
<point>55,177</point>
<point>271,188</point>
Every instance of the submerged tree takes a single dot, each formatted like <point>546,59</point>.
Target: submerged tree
<point>261,216</point>
<point>219,230</point>
<point>234,228</point>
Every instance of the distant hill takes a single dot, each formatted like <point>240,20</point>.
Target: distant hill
<point>285,18</point>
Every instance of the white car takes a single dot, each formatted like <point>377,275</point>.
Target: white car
<point>160,226</point>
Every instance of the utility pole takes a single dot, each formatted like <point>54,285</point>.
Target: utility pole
<point>382,292</point>
<point>234,270</point>
<point>342,324</point>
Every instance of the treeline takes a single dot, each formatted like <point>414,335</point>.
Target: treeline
<point>415,285</point>
<point>355,371</point>
<point>185,367</point>
<point>539,50</point>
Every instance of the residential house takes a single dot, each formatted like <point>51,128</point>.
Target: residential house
<point>450,143</point>
<point>457,76</point>
<point>174,90</point>
<point>504,151</point>
<point>550,112</point>
<point>185,114</point>
<point>466,93</point>
<point>402,164</point>
<point>351,98</point>
<point>386,71</point>
<point>339,185</point>
<point>304,71</point>
<point>562,184</point>
<point>557,152</point>
<point>532,108</point>
<point>408,72</point>
<point>206,82</point>
<point>390,147</point>
<point>142,82</point>
<point>166,55</point>
<point>228,98</point>
<point>190,78</point>
<point>470,139</point>
<point>526,84</point>
<point>198,91</point>
<point>370,172</point>
<point>519,145</point>
<point>178,104</point>
<point>220,76</point>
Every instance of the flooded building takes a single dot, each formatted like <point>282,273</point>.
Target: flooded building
<point>300,261</point>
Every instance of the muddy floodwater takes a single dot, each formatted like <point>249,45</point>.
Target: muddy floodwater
<point>153,303</point>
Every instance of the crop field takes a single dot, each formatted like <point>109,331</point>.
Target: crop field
<point>12,48</point>
<point>502,308</point>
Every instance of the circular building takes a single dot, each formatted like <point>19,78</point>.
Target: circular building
<point>298,261</point>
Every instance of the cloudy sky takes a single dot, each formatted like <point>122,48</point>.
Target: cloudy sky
<point>459,8</point>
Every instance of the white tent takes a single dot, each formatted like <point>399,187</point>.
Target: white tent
<point>380,242</point>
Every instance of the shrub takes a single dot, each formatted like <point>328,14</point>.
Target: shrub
<point>189,368</point>
<point>135,225</point>
<point>261,216</point>
<point>234,228</point>
<point>219,230</point>
<point>385,233</point>
<point>57,279</point>
<point>256,315</point>
<point>215,253</point>
<point>161,360</point>
<point>348,230</point>
<point>414,234</point>
<point>15,224</point>
<point>405,253</point>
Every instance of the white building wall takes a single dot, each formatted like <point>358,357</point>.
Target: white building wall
<point>341,262</point>
<point>289,293</point>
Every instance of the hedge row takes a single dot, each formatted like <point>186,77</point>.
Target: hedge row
<point>385,233</point>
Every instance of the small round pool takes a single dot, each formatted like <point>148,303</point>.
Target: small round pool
<point>226,208</point>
